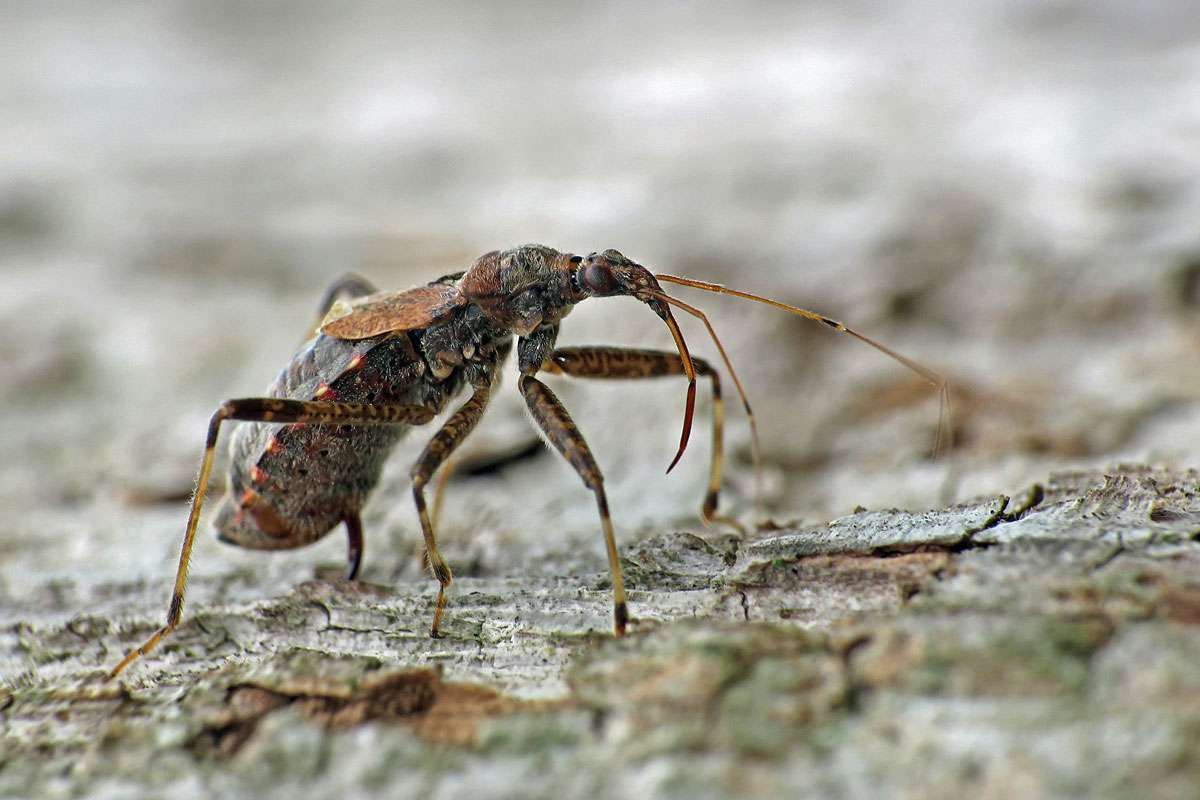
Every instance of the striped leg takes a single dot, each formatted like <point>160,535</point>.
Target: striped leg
<point>556,423</point>
<point>264,409</point>
<point>443,443</point>
<point>619,362</point>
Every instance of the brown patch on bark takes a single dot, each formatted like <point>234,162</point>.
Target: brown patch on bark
<point>880,659</point>
<point>458,709</point>
<point>1153,595</point>
<point>1182,604</point>
<point>439,712</point>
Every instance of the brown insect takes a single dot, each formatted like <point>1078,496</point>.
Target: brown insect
<point>383,363</point>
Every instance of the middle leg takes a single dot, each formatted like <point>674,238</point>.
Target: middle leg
<point>628,363</point>
<point>443,443</point>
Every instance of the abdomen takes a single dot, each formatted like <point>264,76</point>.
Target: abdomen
<point>289,485</point>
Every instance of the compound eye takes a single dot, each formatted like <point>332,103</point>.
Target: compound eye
<point>598,279</point>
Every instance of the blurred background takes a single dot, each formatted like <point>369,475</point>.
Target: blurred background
<point>1004,190</point>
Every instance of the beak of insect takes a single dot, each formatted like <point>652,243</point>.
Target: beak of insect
<point>610,274</point>
<point>660,307</point>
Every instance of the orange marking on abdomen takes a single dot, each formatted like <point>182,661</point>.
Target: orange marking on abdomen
<point>249,498</point>
<point>273,446</point>
<point>355,362</point>
<point>323,392</point>
<point>257,475</point>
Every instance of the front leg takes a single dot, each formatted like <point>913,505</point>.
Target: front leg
<point>620,362</point>
<point>556,423</point>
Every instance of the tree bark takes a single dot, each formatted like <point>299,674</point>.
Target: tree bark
<point>1045,646</point>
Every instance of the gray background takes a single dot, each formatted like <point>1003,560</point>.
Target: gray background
<point>1005,191</point>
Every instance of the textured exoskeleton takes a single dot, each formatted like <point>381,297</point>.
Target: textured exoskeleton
<point>382,363</point>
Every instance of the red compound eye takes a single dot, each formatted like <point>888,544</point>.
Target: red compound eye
<point>598,279</point>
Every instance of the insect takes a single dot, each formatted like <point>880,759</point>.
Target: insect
<point>382,363</point>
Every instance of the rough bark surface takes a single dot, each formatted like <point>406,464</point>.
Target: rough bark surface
<point>987,649</point>
<point>1004,190</point>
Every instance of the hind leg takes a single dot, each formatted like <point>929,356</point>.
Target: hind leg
<point>275,410</point>
<point>347,287</point>
<point>439,448</point>
<point>354,549</point>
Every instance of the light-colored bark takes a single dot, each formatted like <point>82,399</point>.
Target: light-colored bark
<point>978,650</point>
